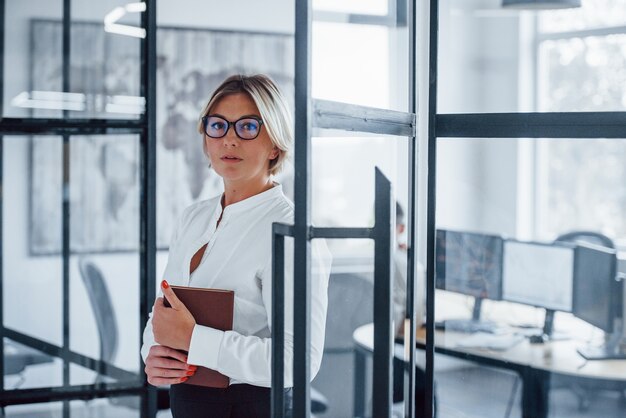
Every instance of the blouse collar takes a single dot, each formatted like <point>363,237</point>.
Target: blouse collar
<point>252,201</point>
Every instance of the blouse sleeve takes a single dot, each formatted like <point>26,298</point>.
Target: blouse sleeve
<point>249,358</point>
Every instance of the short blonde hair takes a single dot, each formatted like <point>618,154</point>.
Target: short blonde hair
<point>272,106</point>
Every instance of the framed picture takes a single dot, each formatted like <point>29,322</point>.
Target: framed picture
<point>104,170</point>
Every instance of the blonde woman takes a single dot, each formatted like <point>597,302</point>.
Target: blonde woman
<point>247,135</point>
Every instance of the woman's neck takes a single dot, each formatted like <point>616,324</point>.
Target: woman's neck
<point>234,193</point>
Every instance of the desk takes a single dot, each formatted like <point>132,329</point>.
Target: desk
<point>534,363</point>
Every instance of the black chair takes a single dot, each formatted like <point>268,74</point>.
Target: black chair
<point>107,329</point>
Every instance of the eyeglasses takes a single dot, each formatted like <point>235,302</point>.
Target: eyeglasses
<point>246,128</point>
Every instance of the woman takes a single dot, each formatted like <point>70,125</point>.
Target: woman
<point>246,130</point>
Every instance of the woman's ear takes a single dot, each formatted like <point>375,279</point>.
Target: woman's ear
<point>274,154</point>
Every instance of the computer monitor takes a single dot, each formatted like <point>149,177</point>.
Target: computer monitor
<point>538,274</point>
<point>597,295</point>
<point>469,263</point>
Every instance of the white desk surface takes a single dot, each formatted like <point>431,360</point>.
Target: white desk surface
<point>554,356</point>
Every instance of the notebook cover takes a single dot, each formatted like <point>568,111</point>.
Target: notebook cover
<point>212,308</point>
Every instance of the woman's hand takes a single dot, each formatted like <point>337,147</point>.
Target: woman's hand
<point>172,327</point>
<point>166,366</point>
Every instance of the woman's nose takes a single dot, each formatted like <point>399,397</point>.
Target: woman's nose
<point>231,137</point>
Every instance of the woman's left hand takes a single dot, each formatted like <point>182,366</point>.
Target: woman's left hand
<point>172,327</point>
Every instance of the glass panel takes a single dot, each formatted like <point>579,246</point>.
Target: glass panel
<point>345,197</point>
<point>494,60</point>
<point>105,59</point>
<point>27,368</point>
<point>583,74</point>
<point>48,410</point>
<point>513,290</point>
<point>104,271</point>
<point>350,306</point>
<point>31,234</point>
<point>364,64</point>
<point>21,50</point>
<point>113,407</point>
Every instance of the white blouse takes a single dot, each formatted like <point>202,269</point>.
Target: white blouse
<point>239,257</point>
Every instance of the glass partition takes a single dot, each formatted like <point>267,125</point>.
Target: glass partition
<point>527,290</point>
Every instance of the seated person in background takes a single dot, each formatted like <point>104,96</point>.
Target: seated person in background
<point>399,313</point>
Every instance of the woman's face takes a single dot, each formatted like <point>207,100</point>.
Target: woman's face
<point>235,159</point>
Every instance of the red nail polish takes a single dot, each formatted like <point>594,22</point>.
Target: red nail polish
<point>190,373</point>
<point>184,379</point>
<point>165,284</point>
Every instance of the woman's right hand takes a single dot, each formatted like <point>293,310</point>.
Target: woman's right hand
<point>166,366</point>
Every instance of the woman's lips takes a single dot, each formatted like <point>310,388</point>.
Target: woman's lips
<point>230,159</point>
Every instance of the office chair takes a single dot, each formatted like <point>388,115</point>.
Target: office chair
<point>108,331</point>
<point>582,391</point>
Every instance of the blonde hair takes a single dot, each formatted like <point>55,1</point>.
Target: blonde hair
<point>272,106</point>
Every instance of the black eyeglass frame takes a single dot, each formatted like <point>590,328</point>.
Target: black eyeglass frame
<point>205,120</point>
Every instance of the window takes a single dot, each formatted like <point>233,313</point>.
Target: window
<point>581,58</point>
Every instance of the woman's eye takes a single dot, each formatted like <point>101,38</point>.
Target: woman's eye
<point>249,126</point>
<point>217,125</point>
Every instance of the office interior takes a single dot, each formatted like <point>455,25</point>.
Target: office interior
<point>529,237</point>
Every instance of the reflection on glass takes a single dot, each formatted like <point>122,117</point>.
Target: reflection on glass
<point>26,367</point>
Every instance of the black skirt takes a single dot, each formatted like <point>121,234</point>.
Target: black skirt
<point>235,401</point>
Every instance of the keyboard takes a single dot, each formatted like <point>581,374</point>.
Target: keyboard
<point>466,325</point>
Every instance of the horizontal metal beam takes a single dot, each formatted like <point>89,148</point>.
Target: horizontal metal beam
<point>355,118</point>
<point>83,392</point>
<point>341,232</point>
<point>532,125</point>
<point>282,229</point>
<point>29,126</point>
<point>52,350</point>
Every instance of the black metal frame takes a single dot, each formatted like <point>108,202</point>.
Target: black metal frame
<point>145,127</point>
<point>332,115</point>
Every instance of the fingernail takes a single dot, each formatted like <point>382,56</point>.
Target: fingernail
<point>165,284</point>
<point>184,379</point>
<point>190,373</point>
<point>194,368</point>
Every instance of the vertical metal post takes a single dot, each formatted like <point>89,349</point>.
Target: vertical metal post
<point>2,29</point>
<point>409,398</point>
<point>278,324</point>
<point>147,253</point>
<point>302,251</point>
<point>65,222</point>
<point>383,274</point>
<point>431,200</point>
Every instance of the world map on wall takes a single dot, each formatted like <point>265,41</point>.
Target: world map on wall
<point>105,169</point>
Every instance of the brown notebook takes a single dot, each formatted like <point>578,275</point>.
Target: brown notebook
<point>212,308</point>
